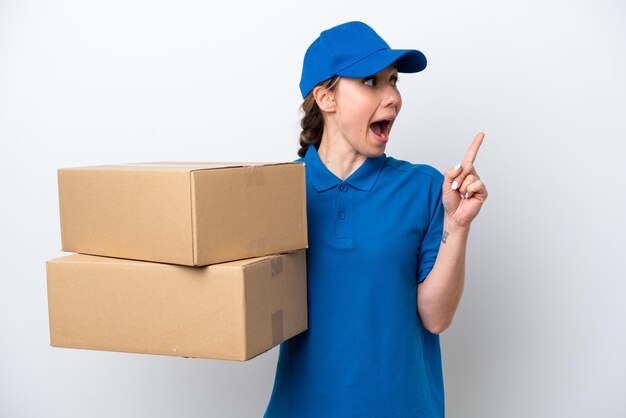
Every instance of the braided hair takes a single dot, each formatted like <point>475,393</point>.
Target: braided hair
<point>312,121</point>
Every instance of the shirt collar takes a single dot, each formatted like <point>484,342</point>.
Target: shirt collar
<point>322,179</point>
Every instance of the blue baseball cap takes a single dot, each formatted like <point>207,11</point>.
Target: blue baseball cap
<point>353,50</point>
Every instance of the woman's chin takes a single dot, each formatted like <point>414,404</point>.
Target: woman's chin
<point>377,146</point>
<point>375,151</point>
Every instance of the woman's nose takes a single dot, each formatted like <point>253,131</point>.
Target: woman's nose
<point>392,97</point>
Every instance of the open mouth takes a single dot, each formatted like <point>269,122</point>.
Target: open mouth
<point>381,128</point>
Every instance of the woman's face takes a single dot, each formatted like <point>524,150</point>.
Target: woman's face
<point>365,109</point>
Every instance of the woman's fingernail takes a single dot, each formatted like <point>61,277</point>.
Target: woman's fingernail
<point>455,185</point>
<point>457,166</point>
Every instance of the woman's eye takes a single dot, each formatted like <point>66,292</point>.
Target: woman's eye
<point>370,82</point>
<point>394,81</point>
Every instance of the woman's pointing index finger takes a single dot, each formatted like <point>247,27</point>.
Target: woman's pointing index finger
<point>470,155</point>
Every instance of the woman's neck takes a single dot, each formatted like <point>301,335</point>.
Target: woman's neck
<point>339,158</point>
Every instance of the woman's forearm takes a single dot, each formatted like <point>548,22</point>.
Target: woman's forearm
<point>463,194</point>
<point>439,294</point>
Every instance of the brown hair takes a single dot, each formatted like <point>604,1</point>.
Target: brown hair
<point>312,121</point>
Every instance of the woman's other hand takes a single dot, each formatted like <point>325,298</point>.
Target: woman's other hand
<point>463,191</point>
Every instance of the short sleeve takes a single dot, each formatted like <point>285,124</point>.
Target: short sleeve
<point>432,238</point>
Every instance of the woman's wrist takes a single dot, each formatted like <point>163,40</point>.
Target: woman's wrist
<point>452,228</point>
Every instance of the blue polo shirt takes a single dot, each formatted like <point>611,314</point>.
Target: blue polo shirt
<point>372,239</point>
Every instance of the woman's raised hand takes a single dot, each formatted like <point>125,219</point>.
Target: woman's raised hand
<point>463,191</point>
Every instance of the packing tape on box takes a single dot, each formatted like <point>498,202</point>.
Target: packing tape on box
<point>254,176</point>
<point>277,265</point>
<point>189,165</point>
<point>277,327</point>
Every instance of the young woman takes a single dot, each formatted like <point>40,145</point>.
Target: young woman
<point>387,242</point>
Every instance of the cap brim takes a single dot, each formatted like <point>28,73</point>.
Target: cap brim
<point>408,61</point>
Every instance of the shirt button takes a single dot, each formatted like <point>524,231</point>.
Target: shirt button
<point>341,215</point>
<point>343,188</point>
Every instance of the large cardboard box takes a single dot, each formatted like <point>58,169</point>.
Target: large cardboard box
<point>183,213</point>
<point>232,311</point>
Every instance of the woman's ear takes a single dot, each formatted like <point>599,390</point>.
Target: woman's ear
<point>324,98</point>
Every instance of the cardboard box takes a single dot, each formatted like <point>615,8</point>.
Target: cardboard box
<point>183,213</point>
<point>232,311</point>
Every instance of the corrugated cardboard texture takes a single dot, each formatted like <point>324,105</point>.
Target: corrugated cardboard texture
<point>272,301</point>
<point>139,214</point>
<point>231,311</point>
<point>257,197</point>
<point>183,213</point>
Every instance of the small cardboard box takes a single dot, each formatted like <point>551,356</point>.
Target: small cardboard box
<point>232,311</point>
<point>191,214</point>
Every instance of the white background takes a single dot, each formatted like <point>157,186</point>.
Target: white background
<point>540,329</point>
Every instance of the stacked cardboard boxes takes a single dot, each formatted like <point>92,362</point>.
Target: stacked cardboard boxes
<point>189,259</point>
